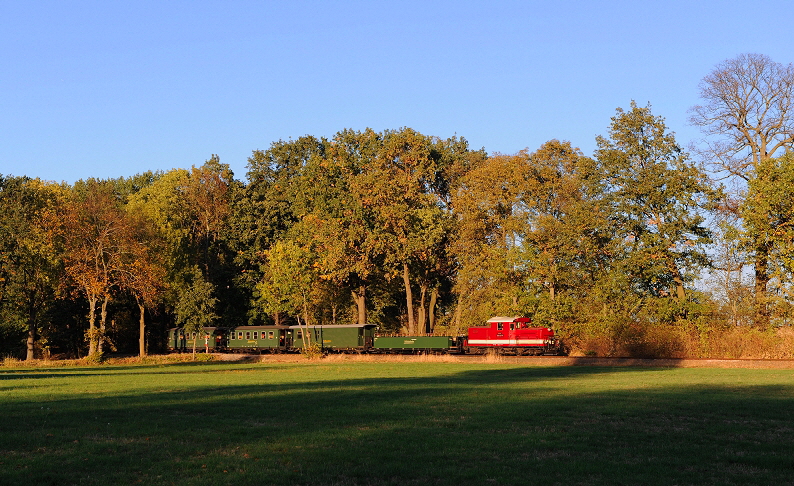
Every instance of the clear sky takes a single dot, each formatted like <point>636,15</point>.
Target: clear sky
<point>114,88</point>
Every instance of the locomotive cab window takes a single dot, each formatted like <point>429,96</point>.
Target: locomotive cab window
<point>499,326</point>
<point>512,326</point>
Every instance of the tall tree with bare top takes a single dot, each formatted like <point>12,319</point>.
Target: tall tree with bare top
<point>748,118</point>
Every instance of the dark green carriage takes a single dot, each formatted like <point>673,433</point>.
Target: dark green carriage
<point>258,338</point>
<point>210,339</point>
<point>414,344</point>
<point>335,337</point>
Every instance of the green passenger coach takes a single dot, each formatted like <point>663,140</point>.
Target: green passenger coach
<point>258,338</point>
<point>210,339</point>
<point>337,337</point>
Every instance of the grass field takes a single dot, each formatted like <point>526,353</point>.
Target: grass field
<point>366,422</point>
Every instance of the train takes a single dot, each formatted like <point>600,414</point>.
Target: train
<point>502,335</point>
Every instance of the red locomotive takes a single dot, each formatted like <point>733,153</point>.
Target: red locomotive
<point>512,335</point>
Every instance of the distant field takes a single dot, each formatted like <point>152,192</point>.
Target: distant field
<point>393,422</point>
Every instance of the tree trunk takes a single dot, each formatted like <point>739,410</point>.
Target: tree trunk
<point>31,341</point>
<point>31,328</point>
<point>680,294</point>
<point>359,296</point>
<point>306,317</point>
<point>141,332</point>
<point>303,332</point>
<point>458,312</point>
<point>761,281</point>
<point>421,323</point>
<point>409,299</point>
<point>92,340</point>
<point>102,322</point>
<point>431,323</point>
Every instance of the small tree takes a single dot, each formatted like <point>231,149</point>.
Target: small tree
<point>289,280</point>
<point>143,273</point>
<point>195,304</point>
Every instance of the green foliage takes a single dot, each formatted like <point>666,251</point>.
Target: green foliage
<point>29,263</point>
<point>312,351</point>
<point>12,337</point>
<point>195,303</point>
<point>289,280</point>
<point>94,359</point>
<point>563,247</point>
<point>656,194</point>
<point>490,222</point>
<point>768,216</point>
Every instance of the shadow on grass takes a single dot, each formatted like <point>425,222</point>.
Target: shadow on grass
<point>567,425</point>
<point>114,370</point>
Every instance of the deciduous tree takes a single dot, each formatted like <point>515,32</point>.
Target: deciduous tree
<point>143,272</point>
<point>29,262</point>
<point>491,221</point>
<point>96,231</point>
<point>656,194</point>
<point>768,215</point>
<point>564,245</point>
<point>195,304</point>
<point>748,117</point>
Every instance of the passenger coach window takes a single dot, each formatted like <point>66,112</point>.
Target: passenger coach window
<point>270,334</point>
<point>239,334</point>
<point>248,334</point>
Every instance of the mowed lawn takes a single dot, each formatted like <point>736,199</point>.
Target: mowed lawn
<point>367,422</point>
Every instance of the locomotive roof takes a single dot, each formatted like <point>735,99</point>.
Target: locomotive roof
<point>504,319</point>
<point>205,328</point>
<point>257,328</point>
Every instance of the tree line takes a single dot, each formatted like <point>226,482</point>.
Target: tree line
<point>420,234</point>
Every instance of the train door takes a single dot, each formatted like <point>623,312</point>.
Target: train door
<point>286,339</point>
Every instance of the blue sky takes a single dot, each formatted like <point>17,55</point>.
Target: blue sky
<point>111,88</point>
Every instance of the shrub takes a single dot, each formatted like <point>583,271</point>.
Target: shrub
<point>94,359</point>
<point>312,351</point>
